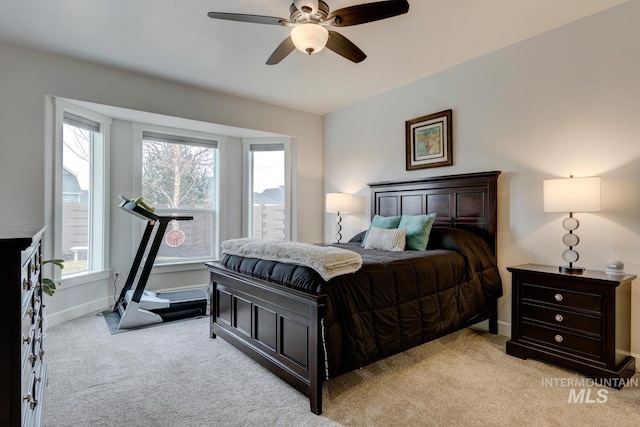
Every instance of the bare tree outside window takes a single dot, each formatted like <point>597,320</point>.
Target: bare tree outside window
<point>178,178</point>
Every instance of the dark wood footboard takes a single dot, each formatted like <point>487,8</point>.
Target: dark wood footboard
<point>278,327</point>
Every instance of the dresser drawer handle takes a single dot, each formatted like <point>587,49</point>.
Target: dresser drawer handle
<point>26,284</point>
<point>26,340</point>
<point>32,402</point>
<point>33,358</point>
<point>558,297</point>
<point>558,338</point>
<point>559,318</point>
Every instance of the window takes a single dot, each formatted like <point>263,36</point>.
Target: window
<point>179,177</point>
<point>81,187</point>
<point>268,192</point>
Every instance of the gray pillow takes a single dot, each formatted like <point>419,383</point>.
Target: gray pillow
<point>392,239</point>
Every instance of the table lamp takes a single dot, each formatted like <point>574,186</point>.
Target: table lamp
<point>338,203</point>
<point>571,195</point>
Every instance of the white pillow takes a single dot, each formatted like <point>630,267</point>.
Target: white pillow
<point>392,239</point>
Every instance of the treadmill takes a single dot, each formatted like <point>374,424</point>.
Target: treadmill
<point>138,307</point>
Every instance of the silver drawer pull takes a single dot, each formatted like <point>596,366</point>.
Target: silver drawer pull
<point>558,338</point>
<point>559,318</point>
<point>558,297</point>
<point>26,284</point>
<point>33,358</point>
<point>32,402</point>
<point>26,340</point>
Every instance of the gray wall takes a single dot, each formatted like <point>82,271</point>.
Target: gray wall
<point>565,102</point>
<point>27,77</point>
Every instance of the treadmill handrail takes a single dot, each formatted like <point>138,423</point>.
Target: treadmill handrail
<point>153,221</point>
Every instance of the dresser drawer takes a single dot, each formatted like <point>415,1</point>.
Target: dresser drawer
<point>566,341</point>
<point>26,285</point>
<point>562,297</point>
<point>563,318</point>
<point>28,338</point>
<point>28,379</point>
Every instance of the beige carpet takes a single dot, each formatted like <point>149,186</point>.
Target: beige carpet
<point>174,375</point>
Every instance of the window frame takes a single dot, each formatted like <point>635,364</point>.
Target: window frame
<point>138,131</point>
<point>247,183</point>
<point>99,194</point>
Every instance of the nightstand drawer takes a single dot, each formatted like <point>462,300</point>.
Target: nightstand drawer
<point>579,321</point>
<point>562,297</point>
<point>567,341</point>
<point>563,318</point>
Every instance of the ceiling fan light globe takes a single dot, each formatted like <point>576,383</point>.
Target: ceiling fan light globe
<point>309,37</point>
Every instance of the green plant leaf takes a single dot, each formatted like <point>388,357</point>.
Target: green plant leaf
<point>57,262</point>
<point>48,285</point>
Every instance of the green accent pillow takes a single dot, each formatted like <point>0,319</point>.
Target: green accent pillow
<point>387,222</point>
<point>418,229</point>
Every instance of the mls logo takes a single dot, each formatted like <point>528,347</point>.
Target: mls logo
<point>583,395</point>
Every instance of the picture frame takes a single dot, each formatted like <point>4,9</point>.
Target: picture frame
<point>429,141</point>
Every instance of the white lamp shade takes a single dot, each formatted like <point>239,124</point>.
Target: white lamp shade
<point>572,195</point>
<point>339,202</point>
<point>309,37</point>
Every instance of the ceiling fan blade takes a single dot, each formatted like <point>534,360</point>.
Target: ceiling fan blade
<point>344,47</point>
<point>281,52</point>
<point>254,19</point>
<point>368,12</point>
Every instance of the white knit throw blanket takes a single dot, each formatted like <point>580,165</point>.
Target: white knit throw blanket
<point>328,261</point>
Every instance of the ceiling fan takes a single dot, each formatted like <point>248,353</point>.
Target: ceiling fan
<point>309,19</point>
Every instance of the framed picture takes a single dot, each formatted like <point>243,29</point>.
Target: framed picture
<point>429,141</point>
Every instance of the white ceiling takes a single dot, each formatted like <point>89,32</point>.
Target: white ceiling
<point>174,39</point>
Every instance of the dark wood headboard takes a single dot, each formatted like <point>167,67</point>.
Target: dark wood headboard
<point>466,201</point>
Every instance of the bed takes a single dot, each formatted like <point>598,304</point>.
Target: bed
<point>309,330</point>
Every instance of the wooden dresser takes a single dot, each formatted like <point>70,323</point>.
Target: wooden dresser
<point>578,321</point>
<point>22,370</point>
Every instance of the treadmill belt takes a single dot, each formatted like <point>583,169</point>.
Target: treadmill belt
<point>184,296</point>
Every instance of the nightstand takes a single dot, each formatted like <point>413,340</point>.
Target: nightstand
<point>578,321</point>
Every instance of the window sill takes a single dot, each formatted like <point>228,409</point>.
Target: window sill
<point>179,266</point>
<point>84,278</point>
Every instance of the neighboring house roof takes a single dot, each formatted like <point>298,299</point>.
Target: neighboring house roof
<point>270,195</point>
<point>70,182</point>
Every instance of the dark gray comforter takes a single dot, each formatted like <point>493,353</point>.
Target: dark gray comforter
<point>397,300</point>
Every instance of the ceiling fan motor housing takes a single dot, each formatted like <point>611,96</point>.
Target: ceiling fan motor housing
<point>299,14</point>
<point>306,6</point>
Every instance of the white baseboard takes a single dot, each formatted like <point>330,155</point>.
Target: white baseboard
<point>58,317</point>
<point>98,305</point>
